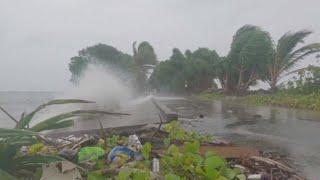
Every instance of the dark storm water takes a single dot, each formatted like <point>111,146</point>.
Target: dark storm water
<point>295,133</point>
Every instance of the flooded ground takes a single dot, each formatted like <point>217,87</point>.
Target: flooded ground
<point>292,132</point>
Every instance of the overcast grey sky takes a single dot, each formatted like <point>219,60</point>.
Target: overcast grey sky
<point>38,37</point>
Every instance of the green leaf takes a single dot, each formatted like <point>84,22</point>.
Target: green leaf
<point>5,133</point>
<point>213,162</point>
<point>141,175</point>
<point>146,149</point>
<point>90,153</point>
<point>61,120</point>
<point>6,176</point>
<point>172,177</point>
<point>173,150</point>
<point>24,122</point>
<point>212,174</point>
<point>96,175</point>
<point>124,174</point>
<point>241,177</point>
<point>192,147</point>
<point>229,173</point>
<point>36,160</point>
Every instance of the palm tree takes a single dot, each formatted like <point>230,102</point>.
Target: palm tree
<point>286,55</point>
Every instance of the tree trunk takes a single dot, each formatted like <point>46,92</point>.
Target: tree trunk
<point>273,83</point>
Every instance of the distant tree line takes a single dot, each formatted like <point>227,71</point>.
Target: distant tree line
<point>253,56</point>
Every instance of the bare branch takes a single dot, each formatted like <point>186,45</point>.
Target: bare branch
<point>9,115</point>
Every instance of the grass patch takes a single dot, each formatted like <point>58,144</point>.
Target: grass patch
<point>209,96</point>
<point>287,99</point>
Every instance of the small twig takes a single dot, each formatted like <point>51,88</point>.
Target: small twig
<point>9,115</point>
<point>275,163</point>
<point>79,143</point>
<point>159,127</point>
<point>103,134</point>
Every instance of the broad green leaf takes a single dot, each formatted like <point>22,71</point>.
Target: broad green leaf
<point>213,162</point>
<point>90,153</point>
<point>145,151</point>
<point>192,147</point>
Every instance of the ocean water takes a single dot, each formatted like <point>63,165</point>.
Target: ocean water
<point>17,102</point>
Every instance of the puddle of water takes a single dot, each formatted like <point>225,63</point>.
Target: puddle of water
<point>292,132</point>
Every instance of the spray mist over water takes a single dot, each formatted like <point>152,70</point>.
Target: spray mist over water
<point>103,86</point>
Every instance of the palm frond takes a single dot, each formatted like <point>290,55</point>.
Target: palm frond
<point>25,120</point>
<point>6,176</point>
<point>57,121</point>
<point>35,160</point>
<point>289,41</point>
<point>6,133</point>
<point>300,54</point>
<point>308,68</point>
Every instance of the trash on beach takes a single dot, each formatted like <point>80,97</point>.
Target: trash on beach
<point>122,152</point>
<point>134,143</point>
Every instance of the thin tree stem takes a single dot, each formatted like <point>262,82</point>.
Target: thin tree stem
<point>9,115</point>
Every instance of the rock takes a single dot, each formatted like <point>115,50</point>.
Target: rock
<point>69,154</point>
<point>63,170</point>
<point>257,116</point>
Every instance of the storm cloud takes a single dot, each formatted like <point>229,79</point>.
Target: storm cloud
<point>38,37</point>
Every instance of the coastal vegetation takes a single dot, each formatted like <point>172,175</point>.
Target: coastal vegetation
<point>301,92</point>
<point>253,57</point>
<point>24,151</point>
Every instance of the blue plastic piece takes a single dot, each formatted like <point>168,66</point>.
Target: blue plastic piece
<point>123,150</point>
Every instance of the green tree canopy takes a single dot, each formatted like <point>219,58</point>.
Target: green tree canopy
<point>145,54</point>
<point>102,55</point>
<point>189,72</point>
<point>251,50</point>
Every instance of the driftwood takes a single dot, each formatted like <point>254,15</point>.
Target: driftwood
<point>277,164</point>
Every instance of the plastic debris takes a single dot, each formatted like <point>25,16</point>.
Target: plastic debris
<point>90,153</point>
<point>119,152</point>
<point>254,176</point>
<point>134,143</point>
<point>155,165</point>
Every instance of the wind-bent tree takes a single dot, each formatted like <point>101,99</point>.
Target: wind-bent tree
<point>287,55</point>
<point>144,54</point>
<point>102,55</point>
<point>188,72</point>
<point>251,50</point>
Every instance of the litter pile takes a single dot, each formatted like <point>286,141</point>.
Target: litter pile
<point>167,152</point>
